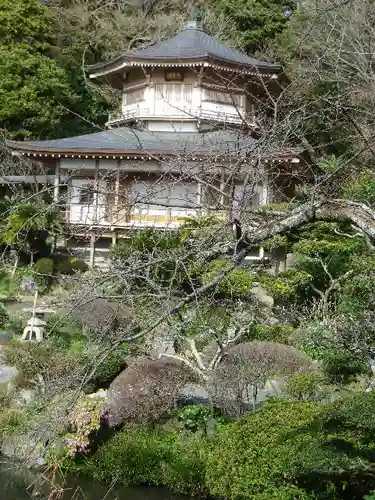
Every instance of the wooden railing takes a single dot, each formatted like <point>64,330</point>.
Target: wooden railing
<point>137,217</point>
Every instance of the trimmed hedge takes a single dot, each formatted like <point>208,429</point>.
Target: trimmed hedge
<point>150,456</point>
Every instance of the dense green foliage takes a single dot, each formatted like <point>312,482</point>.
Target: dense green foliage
<point>43,93</point>
<point>300,452</point>
<point>257,20</point>
<point>27,222</point>
<point>151,456</point>
<point>287,450</point>
<point>36,92</point>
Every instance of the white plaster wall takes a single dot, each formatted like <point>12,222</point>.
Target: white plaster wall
<point>107,164</point>
<point>77,163</point>
<point>222,110</point>
<point>166,126</point>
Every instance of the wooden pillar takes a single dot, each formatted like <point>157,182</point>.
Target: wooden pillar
<point>56,182</point>
<point>115,218</point>
<point>97,194</point>
<point>68,197</point>
<point>152,98</point>
<point>199,198</point>
<point>56,197</point>
<point>114,237</point>
<point>92,250</point>
<point>263,201</point>
<point>222,187</point>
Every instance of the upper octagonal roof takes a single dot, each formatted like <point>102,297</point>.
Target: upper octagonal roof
<point>189,46</point>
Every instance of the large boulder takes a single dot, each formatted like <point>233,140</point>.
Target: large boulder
<point>28,447</point>
<point>193,394</point>
<point>7,374</point>
<point>145,390</point>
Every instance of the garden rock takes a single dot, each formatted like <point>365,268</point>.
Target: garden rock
<point>193,394</point>
<point>263,297</point>
<point>7,373</point>
<point>26,448</point>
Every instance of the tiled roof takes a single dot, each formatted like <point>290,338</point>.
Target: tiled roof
<point>190,44</point>
<point>127,141</point>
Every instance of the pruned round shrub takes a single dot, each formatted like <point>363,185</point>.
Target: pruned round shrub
<point>44,266</point>
<point>146,390</point>
<point>100,316</point>
<point>342,366</point>
<point>246,368</point>
<point>79,265</point>
<point>112,366</point>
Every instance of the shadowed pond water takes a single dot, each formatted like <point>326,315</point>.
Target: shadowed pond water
<point>17,483</point>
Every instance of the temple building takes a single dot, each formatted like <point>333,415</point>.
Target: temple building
<point>185,142</point>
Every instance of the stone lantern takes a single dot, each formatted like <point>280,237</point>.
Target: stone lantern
<point>34,331</point>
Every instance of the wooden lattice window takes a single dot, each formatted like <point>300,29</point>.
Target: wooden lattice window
<point>86,194</point>
<point>174,92</point>
<point>222,97</point>
<point>134,96</point>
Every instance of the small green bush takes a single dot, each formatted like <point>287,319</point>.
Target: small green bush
<point>65,264</point>
<point>111,367</point>
<point>44,266</point>
<point>11,419</point>
<point>79,265</point>
<point>308,386</point>
<point>43,271</point>
<point>194,417</point>
<point>271,333</point>
<point>237,284</point>
<point>287,285</point>
<point>341,366</point>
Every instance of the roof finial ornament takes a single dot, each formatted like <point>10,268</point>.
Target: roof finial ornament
<point>196,18</point>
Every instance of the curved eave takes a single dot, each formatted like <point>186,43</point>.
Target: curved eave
<point>129,154</point>
<point>136,154</point>
<point>124,62</point>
